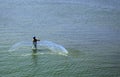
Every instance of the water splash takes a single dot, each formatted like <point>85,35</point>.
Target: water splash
<point>42,46</point>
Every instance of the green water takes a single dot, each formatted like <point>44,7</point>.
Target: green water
<point>89,34</point>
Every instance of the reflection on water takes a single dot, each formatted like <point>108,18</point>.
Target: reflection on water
<point>34,56</point>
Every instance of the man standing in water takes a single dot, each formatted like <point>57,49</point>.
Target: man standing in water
<point>35,42</point>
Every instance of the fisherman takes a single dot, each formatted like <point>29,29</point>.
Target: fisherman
<point>35,42</point>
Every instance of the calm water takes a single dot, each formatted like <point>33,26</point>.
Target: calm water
<point>88,30</point>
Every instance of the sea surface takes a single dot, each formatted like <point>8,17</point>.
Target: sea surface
<point>78,38</point>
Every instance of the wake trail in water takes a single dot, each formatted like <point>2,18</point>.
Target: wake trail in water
<point>50,47</point>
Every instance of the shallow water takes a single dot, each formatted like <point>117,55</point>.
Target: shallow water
<point>88,30</point>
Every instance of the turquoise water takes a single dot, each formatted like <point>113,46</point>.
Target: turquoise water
<point>79,38</point>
